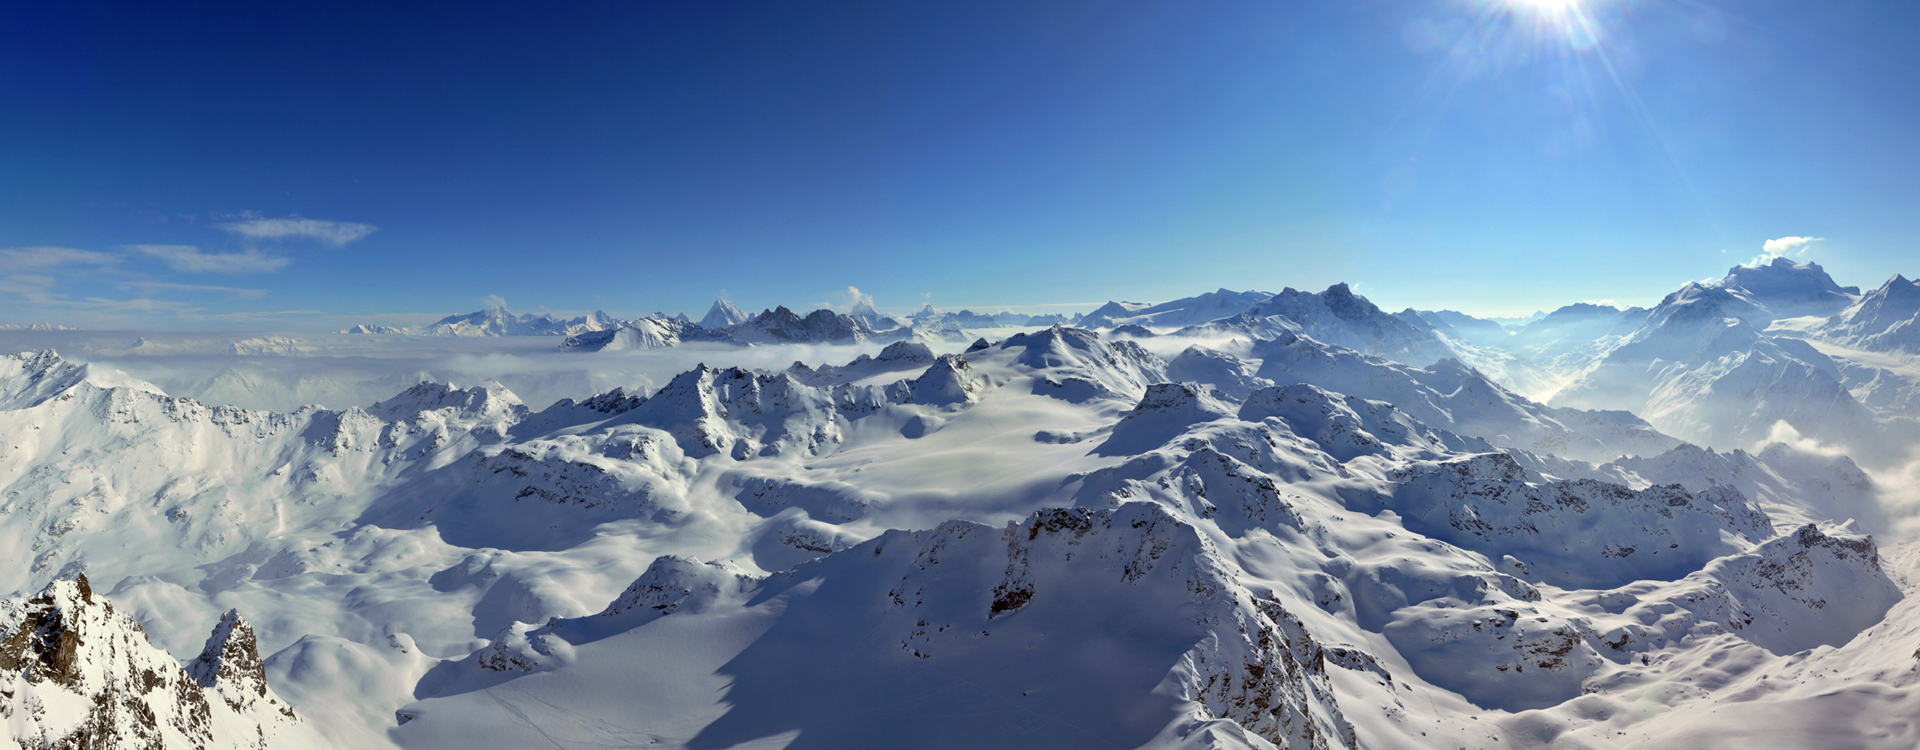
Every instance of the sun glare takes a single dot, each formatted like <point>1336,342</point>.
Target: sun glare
<point>1567,20</point>
<point>1546,6</point>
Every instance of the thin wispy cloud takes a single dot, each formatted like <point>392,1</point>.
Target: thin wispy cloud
<point>24,258</point>
<point>138,304</point>
<point>335,233</point>
<point>190,259</point>
<point>150,287</point>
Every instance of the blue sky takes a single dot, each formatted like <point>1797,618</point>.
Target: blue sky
<point>290,167</point>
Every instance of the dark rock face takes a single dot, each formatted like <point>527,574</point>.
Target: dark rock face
<point>66,646</point>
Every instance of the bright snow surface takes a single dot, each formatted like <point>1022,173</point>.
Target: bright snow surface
<point>1058,538</point>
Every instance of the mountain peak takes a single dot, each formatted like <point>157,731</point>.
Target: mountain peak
<point>723,315</point>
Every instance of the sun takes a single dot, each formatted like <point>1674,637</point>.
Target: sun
<point>1546,6</point>
<point>1568,21</point>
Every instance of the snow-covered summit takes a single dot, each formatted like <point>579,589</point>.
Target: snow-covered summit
<point>1788,289</point>
<point>723,315</point>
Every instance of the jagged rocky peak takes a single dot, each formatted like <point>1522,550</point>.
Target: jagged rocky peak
<point>781,325</point>
<point>230,662</point>
<point>81,675</point>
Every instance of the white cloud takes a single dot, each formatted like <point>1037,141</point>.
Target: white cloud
<point>1782,247</point>
<point>190,259</point>
<point>149,287</point>
<point>492,301</point>
<point>1602,302</point>
<point>23,258</point>
<point>335,233</point>
<point>1784,433</point>
<point>849,300</point>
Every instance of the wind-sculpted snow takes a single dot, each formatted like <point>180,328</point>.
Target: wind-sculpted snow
<point>1577,533</point>
<point>78,674</point>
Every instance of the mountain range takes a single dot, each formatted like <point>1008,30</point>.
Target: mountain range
<point>1303,522</point>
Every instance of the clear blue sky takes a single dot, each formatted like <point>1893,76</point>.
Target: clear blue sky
<point>296,165</point>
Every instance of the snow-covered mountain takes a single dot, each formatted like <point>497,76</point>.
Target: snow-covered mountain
<point>499,321</point>
<point>1452,396</point>
<point>1700,368</point>
<point>1339,317</point>
<point>1789,290</point>
<point>1307,524</point>
<point>1884,320</point>
<point>645,333</point>
<point>723,315</point>
<point>1187,311</point>
<point>781,325</point>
